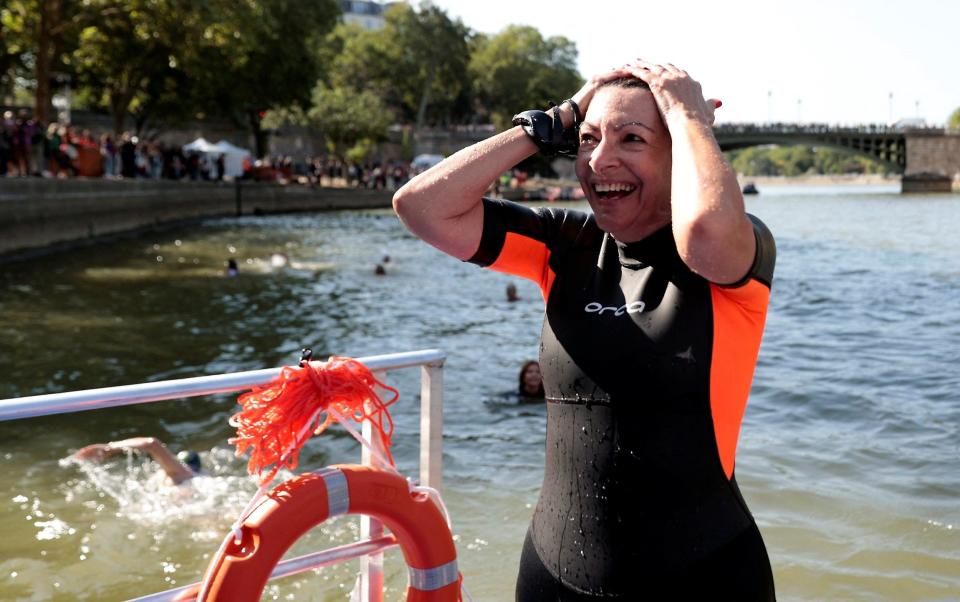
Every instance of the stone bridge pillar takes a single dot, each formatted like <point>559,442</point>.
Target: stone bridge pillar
<point>933,162</point>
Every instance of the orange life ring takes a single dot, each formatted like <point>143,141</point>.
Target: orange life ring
<point>240,571</point>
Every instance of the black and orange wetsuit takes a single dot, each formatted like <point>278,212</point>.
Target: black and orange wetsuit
<point>647,368</point>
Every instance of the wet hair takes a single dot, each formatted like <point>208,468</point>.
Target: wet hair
<point>191,459</point>
<point>523,370</point>
<point>626,82</point>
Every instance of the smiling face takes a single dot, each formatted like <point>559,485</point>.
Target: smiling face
<point>531,379</point>
<point>624,163</point>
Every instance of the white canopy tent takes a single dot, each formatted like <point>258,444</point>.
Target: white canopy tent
<point>424,162</point>
<point>233,156</point>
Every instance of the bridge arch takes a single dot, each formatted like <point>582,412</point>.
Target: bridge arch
<point>887,146</point>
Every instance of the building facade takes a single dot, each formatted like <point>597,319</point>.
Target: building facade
<point>365,13</point>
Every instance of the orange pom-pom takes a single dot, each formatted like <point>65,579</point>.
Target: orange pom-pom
<point>277,419</point>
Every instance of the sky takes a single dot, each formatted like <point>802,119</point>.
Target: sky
<point>819,61</point>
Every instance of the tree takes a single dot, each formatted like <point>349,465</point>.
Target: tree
<point>753,161</point>
<point>518,69</point>
<point>51,29</point>
<point>348,118</point>
<point>13,44</point>
<point>261,55</point>
<point>417,63</point>
<point>434,55</point>
<point>363,60</point>
<point>792,160</point>
<point>39,37</point>
<point>132,59</point>
<point>953,122</point>
<point>799,160</point>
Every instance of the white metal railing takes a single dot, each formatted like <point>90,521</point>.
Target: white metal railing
<point>373,542</point>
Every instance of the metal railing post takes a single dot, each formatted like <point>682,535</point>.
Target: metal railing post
<point>371,566</point>
<point>431,425</point>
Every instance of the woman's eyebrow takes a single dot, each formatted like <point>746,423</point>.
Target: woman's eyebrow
<point>640,123</point>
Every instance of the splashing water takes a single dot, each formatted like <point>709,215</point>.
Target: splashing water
<point>144,494</point>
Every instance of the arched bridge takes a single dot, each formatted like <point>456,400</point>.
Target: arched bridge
<point>908,151</point>
<point>884,144</point>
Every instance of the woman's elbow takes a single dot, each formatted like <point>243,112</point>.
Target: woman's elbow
<point>400,201</point>
<point>407,199</point>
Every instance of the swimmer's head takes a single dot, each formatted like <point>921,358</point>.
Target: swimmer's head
<point>191,459</point>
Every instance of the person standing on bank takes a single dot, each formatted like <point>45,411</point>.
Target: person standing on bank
<point>655,306</point>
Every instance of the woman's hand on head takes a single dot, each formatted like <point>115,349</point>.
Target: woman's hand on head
<point>676,93</point>
<point>585,93</point>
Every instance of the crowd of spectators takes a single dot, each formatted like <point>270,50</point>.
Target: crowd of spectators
<point>825,128</point>
<point>332,171</point>
<point>58,150</point>
<point>324,170</point>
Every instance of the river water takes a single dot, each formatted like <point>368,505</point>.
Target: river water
<point>848,456</point>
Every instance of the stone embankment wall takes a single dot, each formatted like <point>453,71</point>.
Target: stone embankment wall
<point>38,214</point>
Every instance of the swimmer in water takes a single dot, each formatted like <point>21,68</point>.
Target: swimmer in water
<point>179,469</point>
<point>531,382</point>
<point>655,307</point>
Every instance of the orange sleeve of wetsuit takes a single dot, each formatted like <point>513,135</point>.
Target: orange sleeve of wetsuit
<point>526,257</point>
<point>738,318</point>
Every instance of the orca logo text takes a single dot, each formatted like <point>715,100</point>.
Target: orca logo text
<point>628,308</point>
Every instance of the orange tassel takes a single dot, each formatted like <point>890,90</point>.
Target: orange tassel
<point>274,415</point>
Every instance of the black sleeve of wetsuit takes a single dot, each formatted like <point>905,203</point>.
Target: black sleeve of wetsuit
<point>547,225</point>
<point>500,217</point>
<point>765,257</point>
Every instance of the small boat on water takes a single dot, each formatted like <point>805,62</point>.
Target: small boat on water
<point>750,188</point>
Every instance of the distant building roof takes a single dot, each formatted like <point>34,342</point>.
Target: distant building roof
<point>365,13</point>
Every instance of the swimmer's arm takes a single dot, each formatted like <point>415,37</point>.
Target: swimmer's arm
<point>443,205</point>
<point>713,233</point>
<point>175,469</point>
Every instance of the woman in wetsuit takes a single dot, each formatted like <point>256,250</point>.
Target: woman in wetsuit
<point>655,305</point>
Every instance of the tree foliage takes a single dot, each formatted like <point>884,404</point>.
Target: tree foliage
<point>518,69</point>
<point>134,59</point>
<point>417,63</point>
<point>800,160</point>
<point>264,55</point>
<point>15,42</point>
<point>164,62</point>
<point>953,122</point>
<point>37,38</point>
<point>348,118</point>
<point>167,60</point>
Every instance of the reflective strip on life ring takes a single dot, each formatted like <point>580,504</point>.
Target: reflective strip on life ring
<point>240,570</point>
<point>435,578</point>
